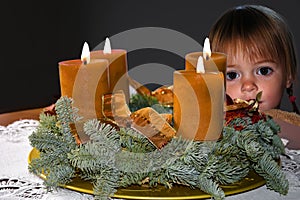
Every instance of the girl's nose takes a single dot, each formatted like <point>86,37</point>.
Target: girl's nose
<point>249,86</point>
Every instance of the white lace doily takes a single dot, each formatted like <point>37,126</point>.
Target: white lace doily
<point>15,180</point>
<point>17,183</point>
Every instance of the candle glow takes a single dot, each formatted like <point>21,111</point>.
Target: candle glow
<point>85,54</point>
<point>200,65</point>
<point>206,49</point>
<point>107,47</point>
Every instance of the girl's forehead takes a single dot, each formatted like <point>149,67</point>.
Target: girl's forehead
<point>251,53</point>
<point>235,57</point>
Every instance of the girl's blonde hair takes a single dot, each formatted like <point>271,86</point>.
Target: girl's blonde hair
<point>257,32</point>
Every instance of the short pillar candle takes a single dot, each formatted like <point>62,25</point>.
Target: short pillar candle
<point>85,83</point>
<point>198,105</point>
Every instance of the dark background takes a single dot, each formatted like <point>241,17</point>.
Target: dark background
<point>36,35</point>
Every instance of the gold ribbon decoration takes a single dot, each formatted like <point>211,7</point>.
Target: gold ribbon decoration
<point>163,94</point>
<point>146,121</point>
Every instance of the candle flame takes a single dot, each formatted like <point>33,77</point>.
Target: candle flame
<point>200,65</point>
<point>206,49</point>
<point>107,47</point>
<point>85,55</point>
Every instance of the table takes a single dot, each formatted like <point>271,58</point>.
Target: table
<point>17,183</point>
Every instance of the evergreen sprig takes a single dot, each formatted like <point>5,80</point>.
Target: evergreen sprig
<point>271,172</point>
<point>120,158</point>
<point>133,141</point>
<point>54,140</point>
<point>138,101</point>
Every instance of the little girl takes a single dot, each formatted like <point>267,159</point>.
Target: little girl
<point>261,54</point>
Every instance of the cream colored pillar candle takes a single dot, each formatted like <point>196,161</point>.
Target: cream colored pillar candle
<point>216,61</point>
<point>198,104</point>
<point>85,82</point>
<point>117,70</point>
<point>67,74</point>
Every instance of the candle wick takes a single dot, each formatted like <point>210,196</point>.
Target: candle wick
<point>207,57</point>
<point>85,62</point>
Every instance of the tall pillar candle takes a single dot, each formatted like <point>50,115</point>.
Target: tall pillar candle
<point>212,62</point>
<point>117,70</point>
<point>85,83</point>
<point>198,104</point>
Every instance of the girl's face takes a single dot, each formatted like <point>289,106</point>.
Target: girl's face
<point>245,78</point>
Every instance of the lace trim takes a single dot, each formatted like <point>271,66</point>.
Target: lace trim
<point>21,189</point>
<point>19,130</point>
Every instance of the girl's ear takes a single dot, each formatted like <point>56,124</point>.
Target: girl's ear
<point>289,81</point>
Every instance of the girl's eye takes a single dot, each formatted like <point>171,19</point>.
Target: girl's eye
<point>231,76</point>
<point>264,71</point>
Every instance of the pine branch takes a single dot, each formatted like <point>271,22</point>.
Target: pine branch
<point>47,135</point>
<point>130,178</point>
<point>152,163</point>
<point>106,183</point>
<point>196,154</point>
<point>138,101</point>
<point>271,123</point>
<point>48,123</point>
<point>58,171</point>
<point>133,141</point>
<point>211,187</point>
<point>263,164</point>
<point>272,173</point>
<point>231,171</point>
<point>66,114</point>
<point>278,146</point>
<point>39,166</point>
<point>60,175</point>
<point>44,140</point>
<point>269,138</point>
<point>266,133</point>
<point>91,157</point>
<point>102,134</point>
<point>183,174</point>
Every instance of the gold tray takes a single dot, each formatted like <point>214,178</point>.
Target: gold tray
<point>251,181</point>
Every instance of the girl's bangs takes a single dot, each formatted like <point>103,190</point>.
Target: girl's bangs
<point>252,48</point>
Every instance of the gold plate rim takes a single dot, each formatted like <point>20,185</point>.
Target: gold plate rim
<point>250,182</point>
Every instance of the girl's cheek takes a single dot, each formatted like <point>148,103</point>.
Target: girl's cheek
<point>232,92</point>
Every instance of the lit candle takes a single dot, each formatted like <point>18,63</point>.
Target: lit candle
<point>85,80</point>
<point>118,79</point>
<point>198,102</point>
<point>213,61</point>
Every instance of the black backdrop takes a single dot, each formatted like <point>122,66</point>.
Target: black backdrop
<point>36,35</point>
